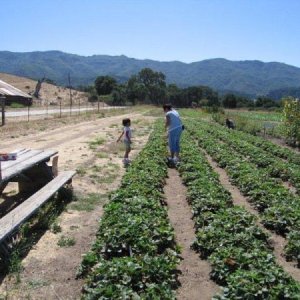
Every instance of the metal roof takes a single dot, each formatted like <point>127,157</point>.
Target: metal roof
<point>8,90</point>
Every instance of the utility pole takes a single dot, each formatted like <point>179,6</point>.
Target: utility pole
<point>2,103</point>
<point>71,101</point>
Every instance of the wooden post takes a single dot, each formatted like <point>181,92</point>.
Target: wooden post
<point>28,113</point>
<point>60,108</point>
<point>71,100</point>
<point>2,103</point>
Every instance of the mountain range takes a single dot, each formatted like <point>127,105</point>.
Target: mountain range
<point>250,77</point>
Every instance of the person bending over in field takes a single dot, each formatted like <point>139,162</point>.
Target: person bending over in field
<point>174,126</point>
<point>126,134</point>
<point>230,123</point>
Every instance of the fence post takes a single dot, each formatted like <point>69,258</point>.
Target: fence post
<point>2,103</point>
<point>28,113</point>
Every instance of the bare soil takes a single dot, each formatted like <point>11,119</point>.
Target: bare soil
<point>49,269</point>
<point>195,272</point>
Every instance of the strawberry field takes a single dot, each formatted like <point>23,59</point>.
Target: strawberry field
<point>135,254</point>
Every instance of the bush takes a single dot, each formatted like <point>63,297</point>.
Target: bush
<point>17,105</point>
<point>291,113</point>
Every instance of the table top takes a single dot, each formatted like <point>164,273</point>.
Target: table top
<point>26,158</point>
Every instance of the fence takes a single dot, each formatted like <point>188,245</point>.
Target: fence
<point>50,111</point>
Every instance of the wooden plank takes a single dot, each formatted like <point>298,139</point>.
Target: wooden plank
<point>27,164</point>
<point>24,155</point>
<point>22,212</point>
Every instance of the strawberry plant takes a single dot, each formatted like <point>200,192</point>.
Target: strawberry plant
<point>135,254</point>
<point>238,250</point>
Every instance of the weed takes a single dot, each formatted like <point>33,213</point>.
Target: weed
<point>95,143</point>
<point>88,202</point>
<point>97,168</point>
<point>65,241</point>
<point>81,171</point>
<point>102,155</point>
<point>17,105</point>
<point>37,283</point>
<point>15,265</point>
<point>55,227</point>
<point>74,227</point>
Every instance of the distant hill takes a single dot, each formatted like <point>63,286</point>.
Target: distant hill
<point>244,77</point>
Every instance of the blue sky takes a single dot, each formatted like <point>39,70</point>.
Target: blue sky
<point>165,30</point>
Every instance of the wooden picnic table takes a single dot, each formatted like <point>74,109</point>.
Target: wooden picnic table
<point>30,169</point>
<point>34,176</point>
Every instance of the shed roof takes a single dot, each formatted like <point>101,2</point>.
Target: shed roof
<point>8,90</point>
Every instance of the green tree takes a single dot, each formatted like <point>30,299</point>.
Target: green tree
<point>119,95</point>
<point>291,119</point>
<point>135,90</point>
<point>266,102</point>
<point>154,84</point>
<point>174,95</point>
<point>105,84</point>
<point>230,101</point>
<point>201,95</point>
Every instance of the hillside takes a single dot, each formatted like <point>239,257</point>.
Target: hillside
<point>247,77</point>
<point>49,93</point>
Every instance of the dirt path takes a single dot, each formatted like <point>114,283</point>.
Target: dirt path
<point>195,280</point>
<point>277,241</point>
<point>49,269</point>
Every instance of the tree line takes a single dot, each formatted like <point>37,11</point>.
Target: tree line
<point>150,87</point>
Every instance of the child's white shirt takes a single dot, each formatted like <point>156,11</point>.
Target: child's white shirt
<point>127,132</point>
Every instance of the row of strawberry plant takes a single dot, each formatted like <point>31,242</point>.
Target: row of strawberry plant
<point>227,235</point>
<point>270,147</point>
<point>250,135</point>
<point>135,255</point>
<point>262,158</point>
<point>279,208</point>
<point>276,150</point>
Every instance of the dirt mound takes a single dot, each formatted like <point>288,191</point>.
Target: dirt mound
<point>49,94</point>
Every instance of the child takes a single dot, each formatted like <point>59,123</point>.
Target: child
<point>127,139</point>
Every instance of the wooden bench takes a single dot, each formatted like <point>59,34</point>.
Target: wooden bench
<point>10,223</point>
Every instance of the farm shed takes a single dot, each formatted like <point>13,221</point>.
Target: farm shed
<point>13,94</point>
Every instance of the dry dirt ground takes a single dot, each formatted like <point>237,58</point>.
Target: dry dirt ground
<point>48,271</point>
<point>194,277</point>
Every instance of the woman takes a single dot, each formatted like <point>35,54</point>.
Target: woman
<point>174,126</point>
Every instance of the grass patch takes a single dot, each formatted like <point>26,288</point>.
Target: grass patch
<point>96,168</point>
<point>15,265</point>
<point>37,283</point>
<point>102,155</point>
<point>112,166</point>
<point>55,227</point>
<point>65,241</point>
<point>107,178</point>
<point>17,105</point>
<point>95,143</point>
<point>81,171</point>
<point>88,202</point>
